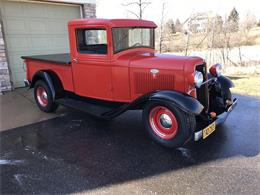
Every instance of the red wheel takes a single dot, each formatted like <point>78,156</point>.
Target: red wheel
<point>167,124</point>
<point>163,122</point>
<point>42,96</point>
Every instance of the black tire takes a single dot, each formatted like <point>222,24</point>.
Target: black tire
<point>48,106</point>
<point>186,125</point>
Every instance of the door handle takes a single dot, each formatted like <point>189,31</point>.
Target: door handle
<point>74,60</point>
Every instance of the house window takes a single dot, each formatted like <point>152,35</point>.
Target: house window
<point>92,41</point>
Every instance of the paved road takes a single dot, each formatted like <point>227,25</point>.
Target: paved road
<point>76,153</point>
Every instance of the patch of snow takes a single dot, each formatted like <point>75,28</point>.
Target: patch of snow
<point>18,178</point>
<point>11,162</point>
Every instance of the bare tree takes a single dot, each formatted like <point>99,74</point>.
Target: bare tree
<point>161,39</point>
<point>228,30</point>
<point>221,38</point>
<point>248,23</point>
<point>188,34</point>
<point>141,4</point>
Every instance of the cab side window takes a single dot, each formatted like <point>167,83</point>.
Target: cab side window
<point>92,41</point>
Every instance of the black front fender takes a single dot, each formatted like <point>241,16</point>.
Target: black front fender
<point>186,103</point>
<point>225,82</point>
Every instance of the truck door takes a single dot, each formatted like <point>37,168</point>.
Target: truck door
<point>91,64</point>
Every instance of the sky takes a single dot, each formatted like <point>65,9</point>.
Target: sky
<point>181,9</point>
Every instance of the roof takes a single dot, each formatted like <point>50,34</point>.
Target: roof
<point>74,1</point>
<point>113,22</point>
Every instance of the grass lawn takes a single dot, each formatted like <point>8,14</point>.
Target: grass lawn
<point>247,85</point>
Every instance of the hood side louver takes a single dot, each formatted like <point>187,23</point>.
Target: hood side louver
<point>146,82</point>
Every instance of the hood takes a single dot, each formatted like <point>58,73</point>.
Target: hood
<point>163,61</point>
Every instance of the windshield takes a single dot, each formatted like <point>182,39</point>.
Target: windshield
<point>132,37</point>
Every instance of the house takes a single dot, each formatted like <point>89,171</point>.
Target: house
<point>200,22</point>
<point>29,27</point>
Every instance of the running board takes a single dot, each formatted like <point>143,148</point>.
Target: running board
<point>87,107</point>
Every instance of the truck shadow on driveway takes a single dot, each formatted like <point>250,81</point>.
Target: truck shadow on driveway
<point>76,153</point>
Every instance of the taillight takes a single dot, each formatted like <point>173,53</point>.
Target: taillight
<point>215,70</point>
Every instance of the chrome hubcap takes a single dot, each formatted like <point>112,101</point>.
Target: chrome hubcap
<point>44,95</point>
<point>165,121</point>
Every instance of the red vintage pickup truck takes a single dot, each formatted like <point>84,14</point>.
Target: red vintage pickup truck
<point>112,67</point>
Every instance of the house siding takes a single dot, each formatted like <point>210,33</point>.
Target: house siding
<point>89,11</point>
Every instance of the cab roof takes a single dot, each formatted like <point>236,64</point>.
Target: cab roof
<point>113,22</point>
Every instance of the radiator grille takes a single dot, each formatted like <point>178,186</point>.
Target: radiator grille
<point>202,92</point>
<point>146,82</point>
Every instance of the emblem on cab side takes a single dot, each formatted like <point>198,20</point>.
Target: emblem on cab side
<point>154,72</point>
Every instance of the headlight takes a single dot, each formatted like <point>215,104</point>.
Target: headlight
<point>198,79</point>
<point>215,70</point>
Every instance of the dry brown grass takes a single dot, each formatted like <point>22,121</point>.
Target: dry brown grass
<point>246,84</point>
<point>177,42</point>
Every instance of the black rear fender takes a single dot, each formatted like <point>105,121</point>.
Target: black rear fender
<point>47,77</point>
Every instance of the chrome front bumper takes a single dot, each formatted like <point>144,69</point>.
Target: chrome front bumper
<point>220,119</point>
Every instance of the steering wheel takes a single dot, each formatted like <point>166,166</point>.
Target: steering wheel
<point>136,44</point>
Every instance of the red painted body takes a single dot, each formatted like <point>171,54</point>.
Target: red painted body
<point>120,77</point>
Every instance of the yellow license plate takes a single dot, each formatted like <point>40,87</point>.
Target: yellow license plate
<point>208,130</point>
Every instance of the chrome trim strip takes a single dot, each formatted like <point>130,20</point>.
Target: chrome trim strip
<point>189,92</point>
<point>207,81</point>
<point>220,119</point>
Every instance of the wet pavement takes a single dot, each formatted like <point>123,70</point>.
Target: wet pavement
<point>77,153</point>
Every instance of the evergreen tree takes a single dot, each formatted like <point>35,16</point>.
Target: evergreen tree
<point>171,26</point>
<point>233,19</point>
<point>178,26</point>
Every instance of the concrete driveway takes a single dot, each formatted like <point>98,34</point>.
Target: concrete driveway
<point>18,108</point>
<point>70,152</point>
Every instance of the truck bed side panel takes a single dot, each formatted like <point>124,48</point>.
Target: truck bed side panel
<point>63,71</point>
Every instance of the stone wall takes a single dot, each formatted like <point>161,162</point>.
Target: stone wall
<point>5,84</point>
<point>89,10</point>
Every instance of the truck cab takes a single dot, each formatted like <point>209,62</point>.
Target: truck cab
<point>101,52</point>
<point>113,67</point>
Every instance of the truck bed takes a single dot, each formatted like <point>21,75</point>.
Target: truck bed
<point>63,58</point>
